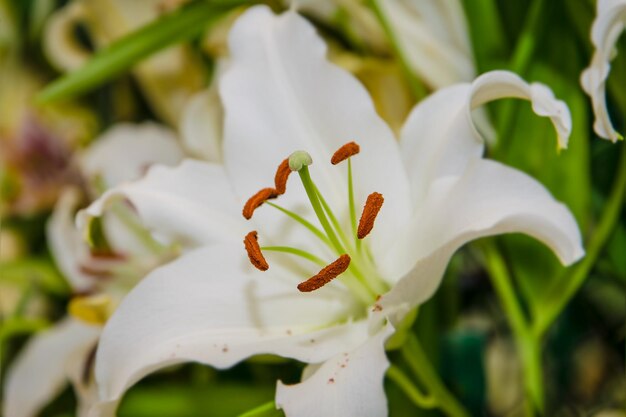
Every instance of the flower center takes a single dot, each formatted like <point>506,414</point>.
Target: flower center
<point>355,265</point>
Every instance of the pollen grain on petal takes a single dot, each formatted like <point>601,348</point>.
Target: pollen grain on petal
<point>254,251</point>
<point>256,200</point>
<point>370,211</point>
<point>327,274</point>
<point>282,174</point>
<point>345,152</point>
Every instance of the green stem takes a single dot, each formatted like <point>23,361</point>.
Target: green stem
<point>309,187</point>
<point>332,218</point>
<point>317,232</point>
<point>262,410</point>
<point>351,201</point>
<point>297,252</point>
<point>528,346</point>
<point>417,360</point>
<point>568,287</point>
<point>417,88</point>
<point>406,385</point>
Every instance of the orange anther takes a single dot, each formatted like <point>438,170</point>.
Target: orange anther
<point>370,211</point>
<point>345,152</point>
<point>282,174</point>
<point>256,200</point>
<point>327,274</point>
<point>254,251</point>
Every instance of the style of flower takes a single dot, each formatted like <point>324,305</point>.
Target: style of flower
<point>606,30</point>
<point>65,352</point>
<point>320,281</point>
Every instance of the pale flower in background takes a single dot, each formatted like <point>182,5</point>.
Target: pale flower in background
<point>606,30</point>
<point>65,352</point>
<point>280,94</point>
<point>433,34</point>
<point>168,78</point>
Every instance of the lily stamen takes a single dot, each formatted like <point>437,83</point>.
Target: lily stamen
<point>255,255</point>
<point>370,211</point>
<point>327,274</point>
<point>345,152</point>
<point>256,200</point>
<point>282,174</point>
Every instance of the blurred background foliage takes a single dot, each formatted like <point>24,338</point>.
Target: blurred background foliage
<point>464,327</point>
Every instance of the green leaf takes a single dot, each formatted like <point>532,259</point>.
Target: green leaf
<point>486,32</point>
<point>16,326</point>
<point>33,270</point>
<point>178,26</point>
<point>225,399</point>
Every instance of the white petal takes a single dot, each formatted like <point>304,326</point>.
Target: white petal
<point>124,152</point>
<point>201,125</point>
<point>488,199</point>
<point>434,37</point>
<point>66,242</point>
<point>606,30</point>
<point>280,94</point>
<point>45,365</point>
<point>502,84</point>
<point>439,137</point>
<point>192,203</point>
<point>348,384</point>
<point>213,307</point>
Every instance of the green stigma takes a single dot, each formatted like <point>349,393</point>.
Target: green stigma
<point>299,160</point>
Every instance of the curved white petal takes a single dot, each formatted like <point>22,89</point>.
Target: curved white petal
<point>45,365</point>
<point>280,94</point>
<point>213,307</point>
<point>192,203</point>
<point>349,384</point>
<point>124,152</point>
<point>201,125</point>
<point>439,138</point>
<point>434,37</point>
<point>503,84</point>
<point>66,242</point>
<point>488,199</point>
<point>605,32</point>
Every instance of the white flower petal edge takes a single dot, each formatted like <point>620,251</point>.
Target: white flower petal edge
<point>348,384</point>
<point>126,151</point>
<point>66,241</point>
<point>502,84</point>
<point>201,125</point>
<point>179,203</point>
<point>487,199</point>
<point>42,369</point>
<point>439,138</point>
<point>606,30</point>
<point>209,306</point>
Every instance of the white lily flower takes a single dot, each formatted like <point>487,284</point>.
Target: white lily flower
<point>606,30</point>
<point>281,95</point>
<point>65,352</point>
